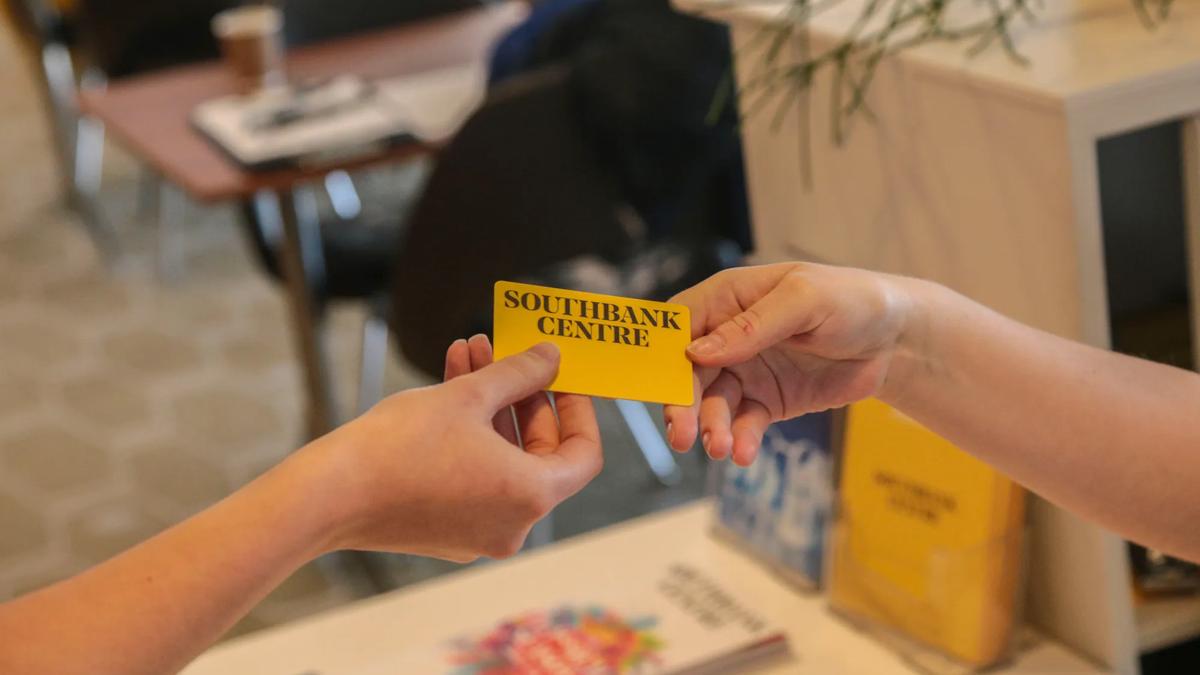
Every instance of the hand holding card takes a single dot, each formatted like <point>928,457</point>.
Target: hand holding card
<point>611,346</point>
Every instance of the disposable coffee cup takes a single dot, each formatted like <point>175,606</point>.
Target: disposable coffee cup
<point>251,39</point>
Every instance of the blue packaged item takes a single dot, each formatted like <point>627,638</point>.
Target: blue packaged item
<point>780,506</point>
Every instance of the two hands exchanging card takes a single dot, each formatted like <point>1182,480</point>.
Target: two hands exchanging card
<point>627,348</point>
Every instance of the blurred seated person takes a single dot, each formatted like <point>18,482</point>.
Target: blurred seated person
<point>644,78</point>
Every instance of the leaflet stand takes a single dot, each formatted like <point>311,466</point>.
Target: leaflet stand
<point>778,510</point>
<point>950,623</point>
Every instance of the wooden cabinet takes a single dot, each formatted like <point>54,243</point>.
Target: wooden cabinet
<point>981,173</point>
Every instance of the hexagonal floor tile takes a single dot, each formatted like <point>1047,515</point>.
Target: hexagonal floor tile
<point>37,341</point>
<point>21,393</point>
<point>224,415</point>
<point>256,352</point>
<point>150,351</point>
<point>198,309</point>
<point>25,530</point>
<point>92,295</point>
<point>54,459</point>
<point>105,399</point>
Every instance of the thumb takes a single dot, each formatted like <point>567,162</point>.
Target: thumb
<point>513,378</point>
<point>771,319</point>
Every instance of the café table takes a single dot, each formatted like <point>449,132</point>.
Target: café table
<point>377,635</point>
<point>149,116</point>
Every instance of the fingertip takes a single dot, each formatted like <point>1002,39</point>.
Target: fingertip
<point>706,347</point>
<point>718,446</point>
<point>480,350</point>
<point>745,449</point>
<point>457,359</point>
<point>681,431</point>
<point>547,351</point>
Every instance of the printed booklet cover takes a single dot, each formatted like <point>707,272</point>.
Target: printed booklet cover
<point>779,507</point>
<point>928,540</point>
<point>677,619</point>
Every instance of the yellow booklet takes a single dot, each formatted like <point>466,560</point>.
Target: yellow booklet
<point>928,540</point>
<point>611,346</point>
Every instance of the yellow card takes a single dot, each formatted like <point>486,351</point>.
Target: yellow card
<point>611,346</point>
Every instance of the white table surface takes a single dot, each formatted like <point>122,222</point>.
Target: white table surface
<point>365,636</point>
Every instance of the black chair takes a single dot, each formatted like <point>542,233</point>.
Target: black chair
<point>520,194</point>
<point>517,190</point>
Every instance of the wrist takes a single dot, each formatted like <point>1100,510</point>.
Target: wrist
<point>320,480</point>
<point>914,356</point>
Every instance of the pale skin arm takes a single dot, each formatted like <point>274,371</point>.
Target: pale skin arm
<point>1112,438</point>
<point>391,480</point>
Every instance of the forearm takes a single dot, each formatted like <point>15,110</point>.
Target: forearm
<point>155,607</point>
<point>1113,438</point>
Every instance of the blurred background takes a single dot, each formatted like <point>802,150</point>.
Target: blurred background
<point>149,357</point>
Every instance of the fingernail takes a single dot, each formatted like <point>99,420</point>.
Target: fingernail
<point>704,440</point>
<point>476,337</point>
<point>707,345</point>
<point>670,434</point>
<point>546,350</point>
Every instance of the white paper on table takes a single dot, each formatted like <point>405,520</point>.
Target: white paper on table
<point>429,106</point>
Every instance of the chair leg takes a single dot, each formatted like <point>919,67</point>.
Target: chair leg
<point>170,205</point>
<point>650,442</point>
<point>303,266</point>
<point>80,144</point>
<point>58,73</point>
<point>343,195</point>
<point>373,362</point>
<point>148,195</point>
<point>542,533</point>
<point>89,156</point>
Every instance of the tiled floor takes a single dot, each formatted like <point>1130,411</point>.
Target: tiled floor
<point>127,403</point>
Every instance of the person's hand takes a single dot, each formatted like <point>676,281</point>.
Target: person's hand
<point>437,471</point>
<point>778,341</point>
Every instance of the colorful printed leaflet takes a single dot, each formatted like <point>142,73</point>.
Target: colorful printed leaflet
<point>566,640</point>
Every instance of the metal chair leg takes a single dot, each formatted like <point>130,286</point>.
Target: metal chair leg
<point>89,156</point>
<point>58,73</point>
<point>170,205</point>
<point>542,533</point>
<point>373,362</point>
<point>303,267</point>
<point>342,195</point>
<point>149,185</point>
<point>79,142</point>
<point>650,442</point>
